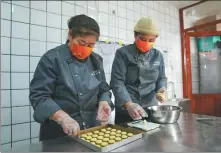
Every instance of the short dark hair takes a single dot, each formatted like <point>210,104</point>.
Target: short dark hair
<point>82,25</point>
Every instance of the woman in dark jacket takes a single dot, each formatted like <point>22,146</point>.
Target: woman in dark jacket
<point>69,91</point>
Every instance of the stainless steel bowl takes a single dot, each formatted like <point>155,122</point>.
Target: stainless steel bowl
<point>164,114</point>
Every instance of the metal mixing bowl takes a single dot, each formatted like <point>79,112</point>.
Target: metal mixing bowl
<point>164,114</point>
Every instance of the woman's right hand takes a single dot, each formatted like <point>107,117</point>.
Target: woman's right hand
<point>70,126</point>
<point>135,111</point>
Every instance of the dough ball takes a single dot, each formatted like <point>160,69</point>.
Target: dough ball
<point>103,144</point>
<point>112,137</point>
<point>113,133</point>
<point>100,137</point>
<point>124,136</point>
<point>118,131</point>
<point>101,133</point>
<point>96,132</point>
<point>90,134</point>
<point>93,140</point>
<point>88,137</point>
<point>98,146</point>
<point>130,134</point>
<point>108,132</point>
<point>98,142</point>
<point>118,139</point>
<point>123,133</point>
<point>83,138</point>
<point>111,141</point>
<point>83,135</point>
<point>107,135</point>
<point>113,130</point>
<point>109,128</point>
<point>93,143</point>
<point>94,135</point>
<point>106,139</point>
<point>118,135</point>
<point>103,130</point>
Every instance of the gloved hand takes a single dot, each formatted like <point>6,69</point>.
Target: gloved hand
<point>69,125</point>
<point>160,95</point>
<point>104,112</point>
<point>135,111</point>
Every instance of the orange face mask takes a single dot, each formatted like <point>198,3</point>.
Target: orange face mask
<point>144,46</point>
<point>80,52</point>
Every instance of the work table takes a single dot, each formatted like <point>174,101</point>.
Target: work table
<point>186,135</point>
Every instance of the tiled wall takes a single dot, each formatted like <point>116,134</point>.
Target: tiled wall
<point>30,28</point>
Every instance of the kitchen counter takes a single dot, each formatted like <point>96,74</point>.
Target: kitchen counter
<point>186,135</point>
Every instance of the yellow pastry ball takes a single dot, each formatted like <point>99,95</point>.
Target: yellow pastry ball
<point>107,135</point>
<point>96,132</point>
<point>118,131</point>
<point>111,141</point>
<point>112,133</point>
<point>90,134</point>
<point>83,135</point>
<point>93,140</point>
<point>123,133</point>
<point>100,137</point>
<point>118,135</point>
<point>94,135</point>
<point>101,133</point>
<point>83,138</point>
<point>118,139</point>
<point>98,142</point>
<point>98,146</point>
<point>106,139</point>
<point>103,144</point>
<point>124,136</point>
<point>130,134</point>
<point>113,130</point>
<point>103,130</point>
<point>112,137</point>
<point>109,128</point>
<point>88,137</point>
<point>93,143</point>
<point>108,132</point>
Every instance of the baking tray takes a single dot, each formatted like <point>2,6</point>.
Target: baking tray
<point>137,134</point>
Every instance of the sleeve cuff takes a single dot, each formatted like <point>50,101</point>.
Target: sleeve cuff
<point>45,110</point>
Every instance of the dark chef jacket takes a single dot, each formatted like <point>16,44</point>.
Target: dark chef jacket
<point>136,77</point>
<point>63,82</point>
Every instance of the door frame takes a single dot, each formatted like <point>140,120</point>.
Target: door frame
<point>185,34</point>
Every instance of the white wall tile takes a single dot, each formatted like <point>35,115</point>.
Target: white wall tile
<point>20,46</point>
<point>54,35</point>
<point>20,115</point>
<point>40,5</point>
<point>35,128</point>
<point>65,22</point>
<point>5,63</point>
<point>52,45</point>
<point>21,3</point>
<point>130,5</point>
<point>104,29</point>
<point>103,6</point>
<point>37,48</point>
<point>64,36</point>
<point>156,5</point>
<point>5,134</point>
<point>20,143</point>
<point>34,140</point>
<point>137,16</point>
<point>23,65</point>
<point>38,17</point>
<point>68,9</point>
<point>150,4</point>
<point>5,116</point>
<point>20,30</point>
<point>5,11</point>
<point>33,63</point>
<point>143,10</point>
<point>113,2</point>
<point>20,14</point>
<point>31,76</point>
<point>5,147</point>
<point>32,112</point>
<point>82,3</point>
<point>53,20</point>
<point>93,5</point>
<point>54,7</point>
<point>122,34</point>
<point>112,33</point>
<point>122,13</point>
<point>38,33</point>
<point>20,131</point>
<point>80,10</point>
<point>5,98</point>
<point>20,97</point>
<point>5,28</point>
<point>122,3</point>
<point>103,18</point>
<point>5,45</point>
<point>130,25</point>
<point>130,14</point>
<point>137,7</point>
<point>113,7</point>
<point>122,23</point>
<point>5,80</point>
<point>20,80</point>
<point>93,14</point>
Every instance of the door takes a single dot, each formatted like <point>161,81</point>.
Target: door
<point>203,65</point>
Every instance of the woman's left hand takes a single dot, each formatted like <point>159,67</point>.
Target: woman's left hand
<point>104,112</point>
